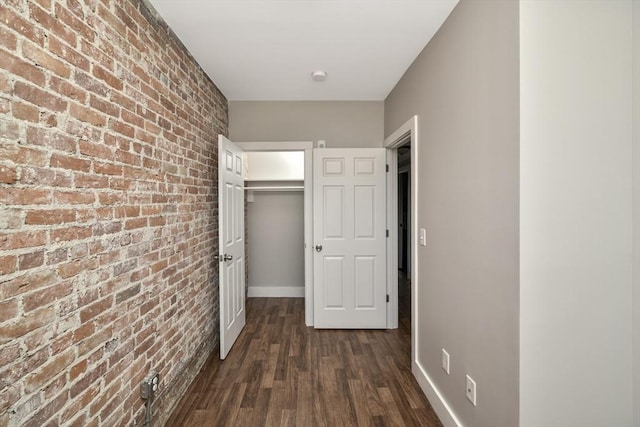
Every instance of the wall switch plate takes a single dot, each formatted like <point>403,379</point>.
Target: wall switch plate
<point>423,237</point>
<point>445,361</point>
<point>471,390</point>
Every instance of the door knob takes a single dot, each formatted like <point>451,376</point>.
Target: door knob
<point>318,248</point>
<point>223,258</point>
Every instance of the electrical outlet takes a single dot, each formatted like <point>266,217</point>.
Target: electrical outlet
<point>445,361</point>
<point>149,385</point>
<point>471,390</point>
<point>423,237</point>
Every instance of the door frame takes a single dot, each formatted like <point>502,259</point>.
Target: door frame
<point>405,133</point>
<point>307,147</point>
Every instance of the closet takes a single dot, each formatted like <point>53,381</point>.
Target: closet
<point>275,223</point>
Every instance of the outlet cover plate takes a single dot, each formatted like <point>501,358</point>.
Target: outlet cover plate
<point>471,390</point>
<point>445,361</point>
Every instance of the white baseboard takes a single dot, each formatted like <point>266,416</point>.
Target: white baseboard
<point>445,413</point>
<point>276,291</point>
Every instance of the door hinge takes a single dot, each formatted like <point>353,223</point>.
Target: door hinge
<point>387,297</point>
<point>387,168</point>
<point>387,233</point>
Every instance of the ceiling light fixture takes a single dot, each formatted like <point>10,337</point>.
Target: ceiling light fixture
<point>319,76</point>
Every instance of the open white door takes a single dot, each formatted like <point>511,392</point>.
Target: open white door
<point>349,207</point>
<point>231,233</point>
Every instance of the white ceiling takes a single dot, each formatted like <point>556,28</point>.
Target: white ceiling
<point>267,49</point>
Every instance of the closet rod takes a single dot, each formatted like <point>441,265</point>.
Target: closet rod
<point>277,188</point>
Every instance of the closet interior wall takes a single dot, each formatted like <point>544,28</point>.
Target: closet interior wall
<point>275,224</point>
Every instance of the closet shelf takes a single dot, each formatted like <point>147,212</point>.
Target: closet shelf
<point>276,188</point>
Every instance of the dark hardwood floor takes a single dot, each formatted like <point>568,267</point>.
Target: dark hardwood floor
<point>281,373</point>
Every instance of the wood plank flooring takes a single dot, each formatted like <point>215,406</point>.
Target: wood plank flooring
<point>281,373</point>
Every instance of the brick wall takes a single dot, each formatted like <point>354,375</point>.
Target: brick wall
<point>108,212</point>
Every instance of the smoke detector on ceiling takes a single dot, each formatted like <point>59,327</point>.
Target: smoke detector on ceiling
<point>319,76</point>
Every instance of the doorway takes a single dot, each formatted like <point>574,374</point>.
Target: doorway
<point>404,234</point>
<point>403,294</point>
<point>307,185</point>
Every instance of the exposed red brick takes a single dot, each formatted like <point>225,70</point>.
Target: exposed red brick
<point>45,177</point>
<point>46,296</point>
<point>91,84</point>
<point>71,269</point>
<point>70,233</point>
<point>109,138</point>
<point>44,4</point>
<point>107,168</point>
<point>57,216</point>
<point>91,181</point>
<point>78,25</point>
<point>24,239</point>
<point>24,196</point>
<point>27,282</point>
<point>121,128</point>
<point>69,54</point>
<point>128,157</point>
<point>73,197</point>
<point>96,150</point>
<point>87,115</point>
<point>106,107</point>
<point>22,26</point>
<point>135,223</point>
<point>8,310</point>
<point>23,155</point>
<point>43,59</point>
<point>123,100</point>
<point>8,174</point>
<point>39,97</point>
<point>132,118</point>
<point>157,221</point>
<point>23,111</point>
<point>31,260</point>
<point>89,378</point>
<point>9,130</point>
<point>49,370</point>
<point>67,89</point>
<point>67,162</point>
<point>78,369</point>
<point>30,322</point>
<point>8,39</point>
<point>52,24</point>
<point>51,139</point>
<point>107,77</point>
<point>7,264</point>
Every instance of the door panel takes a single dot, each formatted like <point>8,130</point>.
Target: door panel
<point>364,280</point>
<point>364,211</point>
<point>231,232</point>
<point>333,212</point>
<point>349,228</point>
<point>334,274</point>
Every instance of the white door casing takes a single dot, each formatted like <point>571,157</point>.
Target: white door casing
<point>231,244</point>
<point>350,238</point>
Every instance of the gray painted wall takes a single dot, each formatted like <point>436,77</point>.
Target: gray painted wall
<point>636,209</point>
<point>275,223</point>
<point>576,214</point>
<point>343,124</point>
<point>464,88</point>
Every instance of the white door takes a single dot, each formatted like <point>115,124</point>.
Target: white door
<point>350,286</point>
<point>231,233</point>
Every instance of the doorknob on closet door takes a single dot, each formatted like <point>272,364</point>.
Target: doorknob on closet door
<point>223,258</point>
<point>318,248</point>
